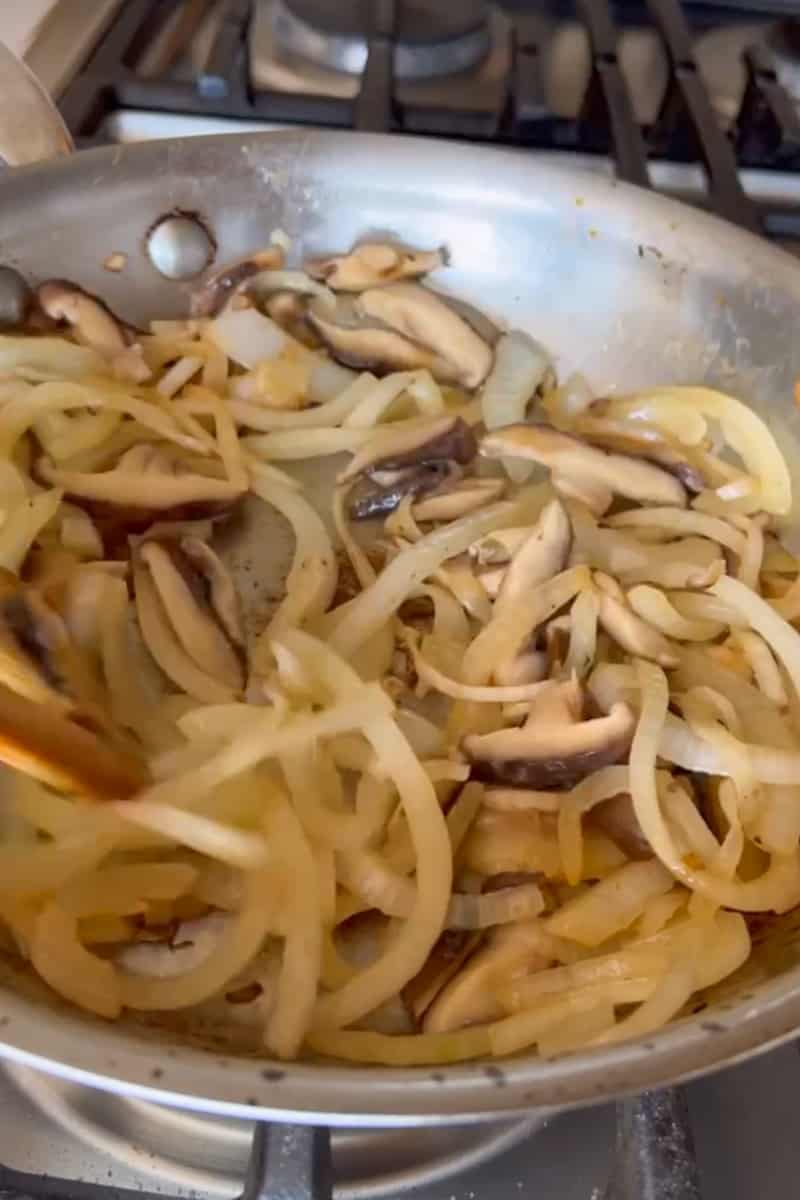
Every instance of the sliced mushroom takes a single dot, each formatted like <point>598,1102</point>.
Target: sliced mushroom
<point>38,658</point>
<point>541,755</point>
<point>470,998</point>
<point>617,818</point>
<point>444,438</point>
<point>541,556</point>
<point>446,958</point>
<point>369,345</point>
<point>573,462</point>
<point>43,741</point>
<point>377,499</point>
<point>372,264</point>
<point>216,291</point>
<point>224,598</point>
<point>424,317</point>
<point>457,499</point>
<point>91,320</point>
<point>645,442</point>
<point>632,633</point>
<point>149,480</point>
<point>200,603</point>
<point>288,310</point>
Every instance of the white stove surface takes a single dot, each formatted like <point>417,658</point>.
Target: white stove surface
<point>744,1122</point>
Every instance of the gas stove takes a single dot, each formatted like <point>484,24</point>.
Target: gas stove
<point>700,101</point>
<point>696,100</point>
<point>65,1141</point>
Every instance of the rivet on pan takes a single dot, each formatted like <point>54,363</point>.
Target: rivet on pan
<point>179,246</point>
<point>15,298</point>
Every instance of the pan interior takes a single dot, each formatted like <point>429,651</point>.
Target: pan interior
<point>628,288</point>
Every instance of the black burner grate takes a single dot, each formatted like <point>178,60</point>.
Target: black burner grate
<point>765,136</point>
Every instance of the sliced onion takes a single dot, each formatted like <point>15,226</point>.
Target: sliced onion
<point>22,525</point>
<point>519,903</point>
<point>653,606</point>
<point>608,907</point>
<point>248,336</point>
<point>62,961</point>
<point>765,670</point>
<point>311,582</point>
<point>441,682</point>
<point>677,521</point>
<point>233,846</point>
<point>520,365</point>
<point>376,604</point>
<point>744,432</point>
<point>236,944</point>
<point>762,617</point>
<point>54,355</point>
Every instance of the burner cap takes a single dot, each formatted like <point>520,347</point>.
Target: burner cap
<point>431,38</point>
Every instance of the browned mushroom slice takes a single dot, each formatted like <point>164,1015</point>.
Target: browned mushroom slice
<point>582,466</point>
<point>146,478</point>
<point>42,741</point>
<point>543,754</point>
<point>617,818</point>
<point>453,500</point>
<point>443,439</point>
<point>216,291</point>
<point>224,598</point>
<point>369,345</point>
<point>632,633</point>
<point>647,442</point>
<point>372,264</point>
<point>446,958</point>
<point>185,587</point>
<point>91,320</point>
<point>541,556</point>
<point>419,314</point>
<point>470,998</point>
<point>38,659</point>
<point>373,499</point>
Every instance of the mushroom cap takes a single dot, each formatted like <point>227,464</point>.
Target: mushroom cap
<point>376,500</point>
<point>218,289</point>
<point>575,462</point>
<point>373,264</point>
<point>369,345</point>
<point>421,315</point>
<point>542,754</point>
<point>92,321</point>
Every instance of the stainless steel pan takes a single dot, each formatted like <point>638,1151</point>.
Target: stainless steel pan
<point>630,288</point>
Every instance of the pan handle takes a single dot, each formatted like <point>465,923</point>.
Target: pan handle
<point>31,128</point>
